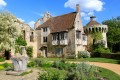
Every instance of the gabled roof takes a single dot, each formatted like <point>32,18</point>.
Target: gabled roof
<point>60,23</point>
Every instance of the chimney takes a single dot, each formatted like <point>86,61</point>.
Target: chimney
<point>92,18</point>
<point>77,8</point>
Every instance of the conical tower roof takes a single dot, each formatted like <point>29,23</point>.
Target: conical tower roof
<point>92,22</point>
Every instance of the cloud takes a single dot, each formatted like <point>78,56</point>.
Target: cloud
<point>88,7</point>
<point>31,24</point>
<point>21,19</point>
<point>2,4</point>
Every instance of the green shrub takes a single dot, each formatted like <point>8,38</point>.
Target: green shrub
<point>2,59</point>
<point>83,54</point>
<point>30,51</point>
<point>83,71</point>
<point>99,48</point>
<point>31,64</point>
<point>6,65</point>
<point>48,75</point>
<point>39,63</point>
<point>62,65</point>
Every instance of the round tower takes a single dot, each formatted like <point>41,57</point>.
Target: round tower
<point>94,26</point>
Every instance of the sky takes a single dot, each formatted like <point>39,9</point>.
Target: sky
<point>29,11</point>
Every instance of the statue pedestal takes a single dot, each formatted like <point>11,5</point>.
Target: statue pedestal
<point>20,63</point>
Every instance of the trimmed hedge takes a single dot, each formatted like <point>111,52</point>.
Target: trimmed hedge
<point>102,55</point>
<point>111,56</point>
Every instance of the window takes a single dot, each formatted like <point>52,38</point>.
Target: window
<point>84,37</point>
<point>45,29</point>
<point>24,34</point>
<point>44,39</point>
<point>78,34</point>
<point>62,36</point>
<point>59,51</point>
<point>31,37</point>
<point>54,37</point>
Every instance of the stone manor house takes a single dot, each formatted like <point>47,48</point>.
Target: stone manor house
<point>63,34</point>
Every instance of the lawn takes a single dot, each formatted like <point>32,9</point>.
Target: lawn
<point>104,60</point>
<point>109,74</point>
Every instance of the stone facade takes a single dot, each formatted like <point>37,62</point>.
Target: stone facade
<point>30,37</point>
<point>67,42</point>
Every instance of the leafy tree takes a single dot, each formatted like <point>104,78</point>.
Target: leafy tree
<point>20,41</point>
<point>8,30</point>
<point>97,36</point>
<point>113,34</point>
<point>30,51</point>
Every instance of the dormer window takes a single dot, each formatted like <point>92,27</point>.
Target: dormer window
<point>45,29</point>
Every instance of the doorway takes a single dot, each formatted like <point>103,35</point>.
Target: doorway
<point>44,51</point>
<point>7,55</point>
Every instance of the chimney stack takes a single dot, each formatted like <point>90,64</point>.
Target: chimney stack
<point>92,18</point>
<point>77,8</point>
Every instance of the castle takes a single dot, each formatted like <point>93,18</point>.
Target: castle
<point>63,34</point>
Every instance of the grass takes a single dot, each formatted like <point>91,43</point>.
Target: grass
<point>108,74</point>
<point>104,60</point>
<point>26,72</point>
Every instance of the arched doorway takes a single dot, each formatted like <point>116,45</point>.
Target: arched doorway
<point>44,51</point>
<point>7,54</point>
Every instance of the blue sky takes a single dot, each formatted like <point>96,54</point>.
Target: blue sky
<point>30,11</point>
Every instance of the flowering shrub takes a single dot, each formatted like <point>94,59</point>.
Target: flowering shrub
<point>83,54</point>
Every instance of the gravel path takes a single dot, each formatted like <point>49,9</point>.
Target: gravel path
<point>113,67</point>
<point>30,76</point>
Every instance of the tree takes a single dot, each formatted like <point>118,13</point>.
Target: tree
<point>97,36</point>
<point>8,30</point>
<point>113,34</point>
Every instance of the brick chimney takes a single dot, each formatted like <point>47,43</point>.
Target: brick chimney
<point>77,8</point>
<point>92,18</point>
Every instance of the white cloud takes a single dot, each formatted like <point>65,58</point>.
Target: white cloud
<point>88,7</point>
<point>31,24</point>
<point>2,4</point>
<point>21,19</point>
<point>87,18</point>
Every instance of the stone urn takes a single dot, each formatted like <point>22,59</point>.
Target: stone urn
<point>19,63</point>
<point>20,60</point>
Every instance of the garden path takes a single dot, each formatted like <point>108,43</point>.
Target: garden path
<point>113,67</point>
